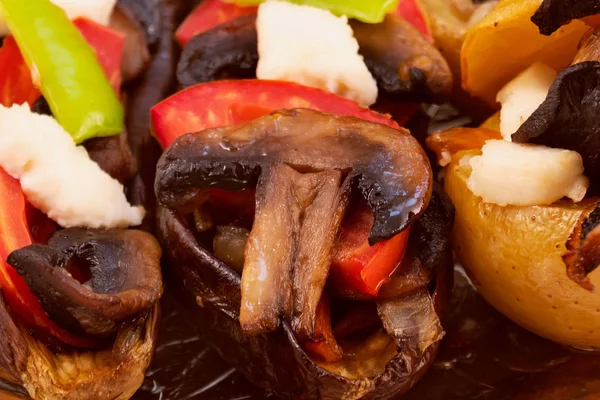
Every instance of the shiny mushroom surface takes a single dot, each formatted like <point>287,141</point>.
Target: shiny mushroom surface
<point>89,281</point>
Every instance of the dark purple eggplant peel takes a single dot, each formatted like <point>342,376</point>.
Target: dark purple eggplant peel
<point>306,166</point>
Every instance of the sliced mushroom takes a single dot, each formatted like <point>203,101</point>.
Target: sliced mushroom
<point>568,117</point>
<point>135,53</point>
<point>553,14</point>
<point>402,61</point>
<point>390,168</point>
<point>113,373</point>
<point>89,281</point>
<point>227,51</point>
<point>113,155</point>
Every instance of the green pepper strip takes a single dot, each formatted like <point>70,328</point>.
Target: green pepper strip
<point>370,11</point>
<point>71,78</point>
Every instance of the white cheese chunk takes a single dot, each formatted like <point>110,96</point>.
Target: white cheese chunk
<point>313,47</point>
<point>522,96</point>
<point>96,10</point>
<point>57,176</point>
<point>526,175</point>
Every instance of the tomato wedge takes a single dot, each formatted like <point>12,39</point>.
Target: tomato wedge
<point>15,233</point>
<point>359,266</point>
<point>207,15</point>
<point>16,85</point>
<point>225,103</point>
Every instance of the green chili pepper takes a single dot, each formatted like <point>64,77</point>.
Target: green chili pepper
<point>66,69</point>
<point>370,11</point>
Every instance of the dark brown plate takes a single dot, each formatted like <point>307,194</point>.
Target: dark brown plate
<point>483,356</point>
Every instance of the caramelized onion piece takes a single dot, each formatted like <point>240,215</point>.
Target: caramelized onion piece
<point>226,51</point>
<point>89,281</point>
<point>449,142</point>
<point>553,14</point>
<point>402,61</point>
<point>229,245</point>
<point>113,373</point>
<point>583,249</point>
<point>388,165</point>
<point>568,117</point>
<point>412,320</point>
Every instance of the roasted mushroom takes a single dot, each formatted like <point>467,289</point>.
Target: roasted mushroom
<point>308,169</point>
<point>89,281</point>
<point>402,61</point>
<point>553,14</point>
<point>226,51</point>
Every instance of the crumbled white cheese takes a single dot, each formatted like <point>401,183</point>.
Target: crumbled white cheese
<point>313,47</point>
<point>96,10</point>
<point>525,175</point>
<point>522,96</point>
<point>57,176</point>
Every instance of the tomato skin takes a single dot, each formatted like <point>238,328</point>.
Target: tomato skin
<point>16,86</point>
<point>15,234</point>
<point>234,102</point>
<point>359,266</point>
<point>207,15</point>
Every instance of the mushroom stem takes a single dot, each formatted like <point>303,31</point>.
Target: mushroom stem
<point>290,247</point>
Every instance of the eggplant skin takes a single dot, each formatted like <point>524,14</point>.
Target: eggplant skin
<point>274,361</point>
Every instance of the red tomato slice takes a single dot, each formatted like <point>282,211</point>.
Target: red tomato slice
<point>207,15</point>
<point>16,85</point>
<point>411,11</point>
<point>109,44</point>
<point>356,264</point>
<point>15,234</point>
<point>225,103</point>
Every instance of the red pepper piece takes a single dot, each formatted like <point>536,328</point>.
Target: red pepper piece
<point>324,347</point>
<point>359,266</point>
